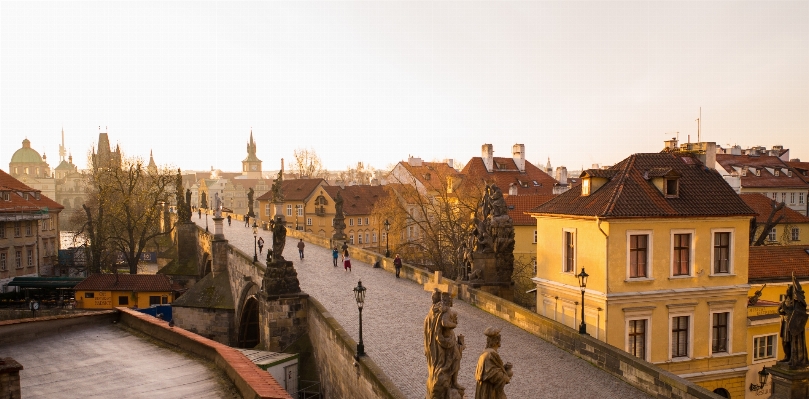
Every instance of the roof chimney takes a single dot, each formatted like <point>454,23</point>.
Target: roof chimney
<point>518,153</point>
<point>512,189</point>
<point>561,175</point>
<point>450,162</point>
<point>487,154</point>
<point>413,161</point>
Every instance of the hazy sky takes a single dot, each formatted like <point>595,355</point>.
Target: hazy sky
<point>580,83</point>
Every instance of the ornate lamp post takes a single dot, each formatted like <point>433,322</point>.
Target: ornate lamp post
<point>359,294</point>
<point>582,283</point>
<point>387,235</point>
<point>296,223</point>
<point>762,380</point>
<point>255,236</point>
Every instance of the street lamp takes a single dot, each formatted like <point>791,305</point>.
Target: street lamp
<point>762,380</point>
<point>387,238</point>
<point>582,283</point>
<point>359,294</point>
<point>206,220</point>
<point>296,223</point>
<point>255,235</point>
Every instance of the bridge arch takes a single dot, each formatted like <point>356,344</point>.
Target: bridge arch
<point>249,331</point>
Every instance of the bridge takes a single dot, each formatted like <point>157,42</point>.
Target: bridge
<point>393,318</point>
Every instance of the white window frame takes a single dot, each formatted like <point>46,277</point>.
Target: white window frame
<point>678,311</point>
<point>575,250</point>
<point>351,238</point>
<point>299,209</point>
<point>359,239</point>
<point>691,266</point>
<point>267,209</point>
<point>350,221</point>
<point>772,235</point>
<point>359,221</point>
<point>800,198</point>
<point>792,198</point>
<point>367,237</point>
<point>373,236</point>
<point>289,210</point>
<point>795,234</point>
<point>308,221</point>
<point>649,255</point>
<point>775,347</point>
<point>641,313</point>
<point>731,248</point>
<point>721,307</point>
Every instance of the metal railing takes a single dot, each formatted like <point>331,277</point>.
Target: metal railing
<point>307,390</point>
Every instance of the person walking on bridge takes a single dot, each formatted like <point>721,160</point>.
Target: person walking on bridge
<point>300,248</point>
<point>260,244</point>
<point>228,220</point>
<point>334,255</point>
<point>397,263</point>
<point>346,261</point>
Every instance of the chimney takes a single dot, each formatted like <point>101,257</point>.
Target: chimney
<point>736,150</point>
<point>450,162</point>
<point>487,154</point>
<point>413,161</point>
<point>518,153</point>
<point>512,189</point>
<point>561,175</point>
<point>708,155</point>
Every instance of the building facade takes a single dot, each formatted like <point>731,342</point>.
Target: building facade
<point>109,291</point>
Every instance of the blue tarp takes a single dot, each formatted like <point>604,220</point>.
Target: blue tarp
<point>154,310</point>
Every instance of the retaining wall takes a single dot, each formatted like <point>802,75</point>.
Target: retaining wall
<point>19,330</point>
<point>340,375</point>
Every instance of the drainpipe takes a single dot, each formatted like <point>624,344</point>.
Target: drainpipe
<point>607,267</point>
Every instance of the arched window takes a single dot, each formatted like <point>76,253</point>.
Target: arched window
<point>722,392</point>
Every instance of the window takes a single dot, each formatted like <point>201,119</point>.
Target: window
<point>350,221</point>
<point>165,300</point>
<point>800,198</point>
<point>366,238</point>
<point>570,252</point>
<point>359,221</point>
<point>154,300</point>
<point>672,188</point>
<point>359,238</point>
<point>796,234</point>
<point>585,187</point>
<point>682,255</point>
<point>28,228</point>
<point>308,221</point>
<point>2,229</point>
<point>123,301</point>
<point>774,196</point>
<point>373,237</point>
<point>30,257</point>
<point>771,236</point>
<point>17,229</point>
<point>2,261</point>
<point>89,295</point>
<point>267,209</point>
<point>679,336</point>
<point>351,239</point>
<point>535,236</point>
<point>289,210</point>
<point>637,338</point>
<point>299,209</point>
<point>638,255</point>
<point>18,259</point>
<point>719,341</point>
<point>791,198</point>
<point>384,236</point>
<point>721,252</point>
<point>366,222</point>
<point>764,347</point>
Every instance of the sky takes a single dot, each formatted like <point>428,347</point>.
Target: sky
<point>375,82</point>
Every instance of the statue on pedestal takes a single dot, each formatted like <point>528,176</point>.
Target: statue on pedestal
<point>793,326</point>
<point>250,195</point>
<point>279,237</point>
<point>492,232</point>
<point>217,206</point>
<point>443,349</point>
<point>204,201</point>
<point>339,218</point>
<point>492,375</point>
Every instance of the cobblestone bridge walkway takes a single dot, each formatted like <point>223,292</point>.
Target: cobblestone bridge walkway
<point>393,330</point>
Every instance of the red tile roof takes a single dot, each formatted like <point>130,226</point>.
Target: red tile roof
<point>432,175</point>
<point>631,192</point>
<point>532,181</point>
<point>802,168</point>
<point>518,205</point>
<point>778,262</point>
<point>296,189</point>
<point>17,202</point>
<point>763,205</point>
<point>765,179</point>
<point>358,200</point>
<point>125,282</point>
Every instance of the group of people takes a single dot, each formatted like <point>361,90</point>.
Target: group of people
<point>346,260</point>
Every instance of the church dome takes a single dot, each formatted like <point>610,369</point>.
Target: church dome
<point>26,154</point>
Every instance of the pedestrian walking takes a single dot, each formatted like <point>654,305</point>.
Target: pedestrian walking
<point>334,255</point>
<point>300,247</point>
<point>345,246</point>
<point>246,221</point>
<point>199,212</point>
<point>260,244</point>
<point>397,263</point>
<point>346,261</point>
<point>228,220</point>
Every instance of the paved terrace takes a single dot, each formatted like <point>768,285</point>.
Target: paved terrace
<point>393,329</point>
<point>107,361</point>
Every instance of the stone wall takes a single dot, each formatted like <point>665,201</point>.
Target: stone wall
<point>283,320</point>
<point>243,275</point>
<point>215,324</point>
<point>10,378</point>
<point>20,330</point>
<point>340,375</point>
<point>636,372</point>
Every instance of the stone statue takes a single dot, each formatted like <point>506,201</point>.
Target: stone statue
<point>492,231</point>
<point>183,206</point>
<point>204,202</point>
<point>793,326</point>
<point>756,296</point>
<point>188,197</point>
<point>250,195</point>
<point>277,192</point>
<point>217,206</point>
<point>280,278</point>
<point>492,375</point>
<point>443,349</point>
<point>339,218</point>
<point>279,237</point>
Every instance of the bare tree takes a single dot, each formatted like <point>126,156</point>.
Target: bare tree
<point>757,237</point>
<point>357,176</point>
<point>306,164</point>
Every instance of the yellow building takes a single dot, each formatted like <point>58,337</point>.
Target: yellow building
<point>108,291</point>
<point>363,229</point>
<point>791,227</point>
<point>297,193</point>
<point>770,273</point>
<point>525,246</point>
<point>664,241</point>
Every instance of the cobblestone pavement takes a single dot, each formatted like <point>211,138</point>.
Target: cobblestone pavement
<point>393,330</point>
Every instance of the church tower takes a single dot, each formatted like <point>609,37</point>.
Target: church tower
<point>251,166</point>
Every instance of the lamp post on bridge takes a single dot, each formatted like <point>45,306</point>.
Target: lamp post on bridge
<point>255,236</point>
<point>387,238</point>
<point>359,295</point>
<point>582,284</point>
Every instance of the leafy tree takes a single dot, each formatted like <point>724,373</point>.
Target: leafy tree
<point>122,212</point>
<point>306,164</point>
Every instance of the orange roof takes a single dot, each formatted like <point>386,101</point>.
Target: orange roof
<point>433,175</point>
<point>358,200</point>
<point>802,168</point>
<point>532,181</point>
<point>296,189</point>
<point>19,203</point>
<point>778,262</point>
<point>763,205</point>
<point>518,205</point>
<point>765,179</point>
<point>125,282</point>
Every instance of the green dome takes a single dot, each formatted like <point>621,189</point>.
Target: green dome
<point>26,154</point>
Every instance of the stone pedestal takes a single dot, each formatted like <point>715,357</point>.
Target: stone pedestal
<point>187,246</point>
<point>219,253</point>
<point>789,384</point>
<point>484,277</point>
<point>218,229</point>
<point>283,319</point>
<point>10,378</point>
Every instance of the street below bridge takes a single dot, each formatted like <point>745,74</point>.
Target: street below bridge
<point>393,329</point>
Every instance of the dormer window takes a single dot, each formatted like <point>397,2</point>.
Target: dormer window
<point>585,187</point>
<point>777,172</point>
<point>672,188</point>
<point>758,172</point>
<point>7,196</point>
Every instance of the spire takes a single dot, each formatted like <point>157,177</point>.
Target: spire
<point>152,166</point>
<point>62,151</point>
